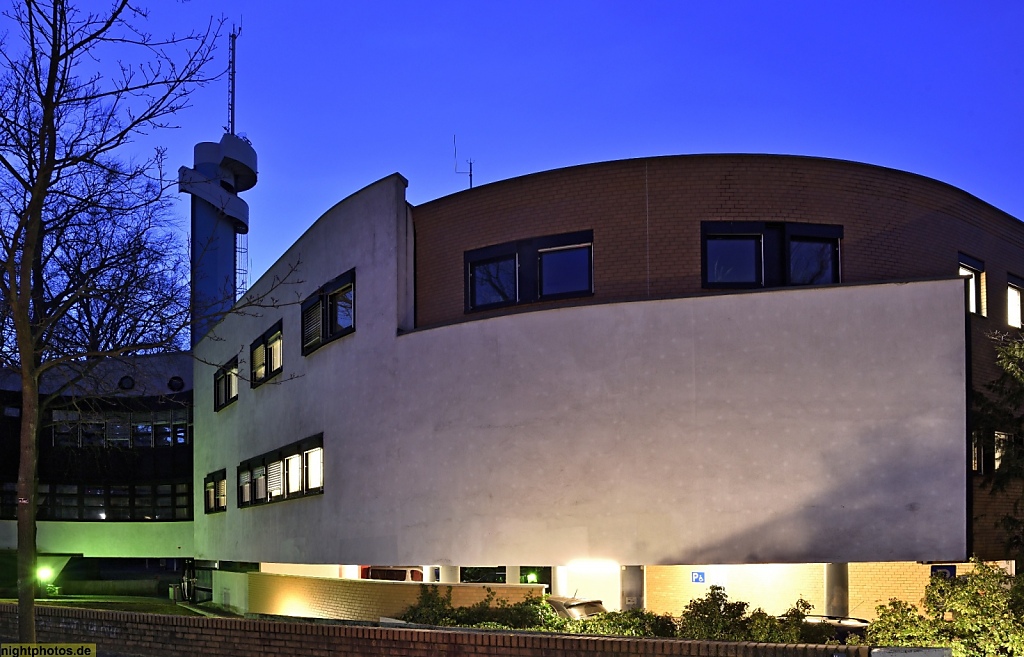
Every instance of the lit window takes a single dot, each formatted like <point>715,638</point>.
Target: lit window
<point>974,271</point>
<point>275,480</point>
<point>225,384</point>
<point>259,484</point>
<point>244,487</point>
<point>1005,451</point>
<point>329,313</point>
<point>1013,301</point>
<point>215,493</point>
<point>315,469</point>
<point>293,471</point>
<point>266,355</point>
<point>525,271</point>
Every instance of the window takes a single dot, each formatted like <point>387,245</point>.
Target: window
<point>266,356</point>
<point>1013,300</point>
<point>974,270</point>
<point>538,269</point>
<point>329,313</point>
<point>225,384</point>
<point>115,502</point>
<point>244,487</point>
<point>733,260</point>
<point>566,271</point>
<point>314,468</point>
<point>751,254</point>
<point>293,471</point>
<point>1006,451</point>
<point>215,494</point>
<point>115,429</point>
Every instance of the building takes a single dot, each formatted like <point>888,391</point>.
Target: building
<point>697,368</point>
<point>649,376</point>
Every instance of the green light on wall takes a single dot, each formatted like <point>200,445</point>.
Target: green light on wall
<point>44,574</point>
<point>531,578</point>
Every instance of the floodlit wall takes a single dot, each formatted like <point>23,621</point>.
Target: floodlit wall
<point>361,599</point>
<point>106,539</point>
<point>793,425</point>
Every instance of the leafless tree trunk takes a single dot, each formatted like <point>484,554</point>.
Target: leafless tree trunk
<point>91,265</point>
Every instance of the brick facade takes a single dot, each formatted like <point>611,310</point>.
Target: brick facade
<point>776,587</point>
<point>186,636</point>
<point>359,599</point>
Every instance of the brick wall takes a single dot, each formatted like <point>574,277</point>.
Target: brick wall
<point>990,506</point>
<point>646,216</point>
<point>186,636</point>
<point>359,599</point>
<point>773,588</point>
<point>776,587</point>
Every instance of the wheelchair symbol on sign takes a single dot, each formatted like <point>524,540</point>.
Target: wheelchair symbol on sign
<point>697,577</point>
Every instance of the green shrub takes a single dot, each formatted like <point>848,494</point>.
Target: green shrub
<point>434,608</point>
<point>632,622</point>
<point>715,618</point>
<point>976,614</point>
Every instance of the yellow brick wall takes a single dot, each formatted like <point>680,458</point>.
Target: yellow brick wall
<point>772,587</point>
<point>357,599</point>
<point>775,587</point>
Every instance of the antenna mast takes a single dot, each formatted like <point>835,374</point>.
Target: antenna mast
<point>241,239</point>
<point>231,78</point>
<point>470,172</point>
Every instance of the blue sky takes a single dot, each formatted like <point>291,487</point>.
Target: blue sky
<point>337,94</point>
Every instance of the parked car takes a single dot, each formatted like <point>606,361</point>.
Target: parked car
<point>575,607</point>
<point>843,626</point>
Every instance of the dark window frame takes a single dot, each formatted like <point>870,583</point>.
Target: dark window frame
<point>261,345</point>
<point>264,461</point>
<point>213,482</point>
<point>83,502</point>
<point>527,255</point>
<point>319,306</point>
<point>774,259</point>
<point>221,382</point>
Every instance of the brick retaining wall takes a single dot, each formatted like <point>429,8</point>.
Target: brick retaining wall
<point>189,636</point>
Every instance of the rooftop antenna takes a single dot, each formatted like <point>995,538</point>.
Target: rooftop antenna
<point>470,172</point>
<point>241,239</point>
<point>231,78</point>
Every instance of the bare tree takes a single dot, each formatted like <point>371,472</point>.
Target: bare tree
<point>91,266</point>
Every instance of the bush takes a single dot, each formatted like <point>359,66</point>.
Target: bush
<point>632,622</point>
<point>976,614</point>
<point>715,618</point>
<point>433,608</point>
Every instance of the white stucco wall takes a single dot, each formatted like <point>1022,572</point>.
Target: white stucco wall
<point>796,425</point>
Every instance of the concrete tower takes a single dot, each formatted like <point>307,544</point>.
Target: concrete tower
<point>221,171</point>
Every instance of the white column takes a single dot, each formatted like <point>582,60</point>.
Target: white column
<point>450,574</point>
<point>511,574</point>
<point>837,589</point>
<point>428,573</point>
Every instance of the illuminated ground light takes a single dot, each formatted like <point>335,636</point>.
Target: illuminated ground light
<point>44,574</point>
